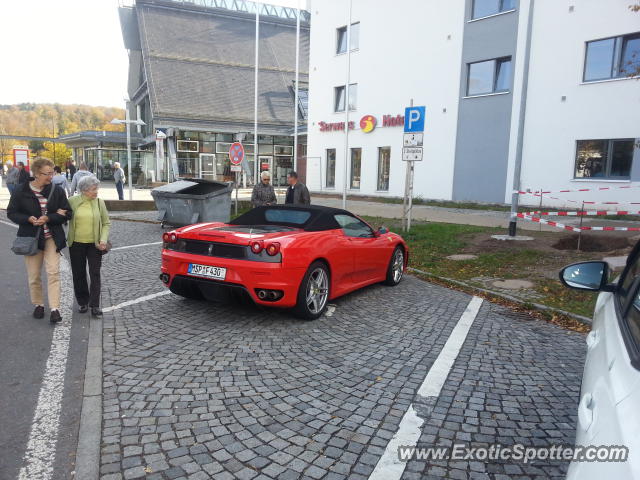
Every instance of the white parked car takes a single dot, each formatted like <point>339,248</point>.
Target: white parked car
<point>609,408</point>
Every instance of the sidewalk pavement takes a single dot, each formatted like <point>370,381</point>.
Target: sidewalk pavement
<point>482,218</point>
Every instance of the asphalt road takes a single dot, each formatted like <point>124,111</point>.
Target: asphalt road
<point>24,349</point>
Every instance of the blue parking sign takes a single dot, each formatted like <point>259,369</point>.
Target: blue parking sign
<point>414,119</point>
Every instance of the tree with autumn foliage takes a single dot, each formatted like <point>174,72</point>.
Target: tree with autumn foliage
<point>51,120</point>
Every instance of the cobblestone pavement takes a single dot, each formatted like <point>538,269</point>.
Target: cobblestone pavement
<point>199,390</point>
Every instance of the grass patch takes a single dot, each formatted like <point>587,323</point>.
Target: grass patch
<point>431,243</point>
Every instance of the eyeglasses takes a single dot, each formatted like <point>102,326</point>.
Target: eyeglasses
<point>50,174</point>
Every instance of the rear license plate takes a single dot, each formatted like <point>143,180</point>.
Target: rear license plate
<point>219,273</point>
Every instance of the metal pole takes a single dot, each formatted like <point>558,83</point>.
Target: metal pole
<point>346,109</point>
<point>406,201</point>
<point>237,187</point>
<point>296,100</point>
<point>255,99</point>
<point>412,164</point>
<point>128,127</point>
<point>523,109</point>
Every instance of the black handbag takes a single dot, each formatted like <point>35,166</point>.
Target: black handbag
<point>28,246</point>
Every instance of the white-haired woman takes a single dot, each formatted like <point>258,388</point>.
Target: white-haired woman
<point>118,176</point>
<point>87,239</point>
<point>263,193</point>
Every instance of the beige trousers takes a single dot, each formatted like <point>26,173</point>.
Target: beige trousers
<point>51,260</point>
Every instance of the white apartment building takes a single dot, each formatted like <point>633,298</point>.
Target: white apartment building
<point>547,83</point>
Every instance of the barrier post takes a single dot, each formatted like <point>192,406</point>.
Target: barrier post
<point>580,232</point>
<point>540,207</point>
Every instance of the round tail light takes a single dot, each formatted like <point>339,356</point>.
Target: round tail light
<point>165,237</point>
<point>256,246</point>
<point>273,248</point>
<point>173,238</point>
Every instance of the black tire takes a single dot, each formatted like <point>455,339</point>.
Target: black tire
<point>317,274</point>
<point>394,276</point>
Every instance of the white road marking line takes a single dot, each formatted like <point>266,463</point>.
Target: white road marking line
<point>10,224</point>
<point>390,467</point>
<point>135,246</point>
<point>39,457</point>
<point>330,310</point>
<point>137,300</point>
<point>439,371</point>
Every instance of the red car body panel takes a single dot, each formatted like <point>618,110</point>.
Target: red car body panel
<point>353,262</point>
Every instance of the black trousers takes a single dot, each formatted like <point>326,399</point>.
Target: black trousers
<point>82,254</point>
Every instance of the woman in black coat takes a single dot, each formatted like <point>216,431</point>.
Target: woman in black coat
<point>31,208</point>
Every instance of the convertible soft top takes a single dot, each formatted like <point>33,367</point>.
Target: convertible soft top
<point>311,218</point>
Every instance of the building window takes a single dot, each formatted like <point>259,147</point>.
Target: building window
<point>354,41</point>
<point>384,167</point>
<point>356,165</point>
<point>485,8</point>
<point>492,76</point>
<point>341,38</point>
<point>331,168</point>
<point>188,146</point>
<point>614,57</point>
<point>339,97</point>
<point>604,158</point>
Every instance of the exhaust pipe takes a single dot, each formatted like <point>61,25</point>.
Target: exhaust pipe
<point>272,295</point>
<point>164,277</point>
<point>262,294</point>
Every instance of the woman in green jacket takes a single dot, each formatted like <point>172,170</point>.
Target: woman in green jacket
<point>87,239</point>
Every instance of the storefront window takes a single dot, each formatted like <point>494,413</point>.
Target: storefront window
<point>208,147</point>
<point>282,166</point>
<point>283,140</point>
<point>224,137</point>
<point>384,164</point>
<point>188,164</point>
<point>283,150</point>
<point>331,168</point>
<point>222,147</point>
<point>265,149</point>
<point>356,165</point>
<point>188,135</point>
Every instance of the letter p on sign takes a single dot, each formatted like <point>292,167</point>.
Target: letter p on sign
<point>414,119</point>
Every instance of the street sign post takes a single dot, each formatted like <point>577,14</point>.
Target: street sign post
<point>236,156</point>
<point>412,141</point>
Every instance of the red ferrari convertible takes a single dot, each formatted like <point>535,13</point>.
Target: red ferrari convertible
<point>283,256</point>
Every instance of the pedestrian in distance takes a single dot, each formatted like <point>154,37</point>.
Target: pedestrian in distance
<point>263,193</point>
<point>72,169</point>
<point>23,175</point>
<point>60,180</point>
<point>12,177</point>
<point>77,176</point>
<point>88,240</point>
<point>297,192</point>
<point>41,208</point>
<point>118,176</point>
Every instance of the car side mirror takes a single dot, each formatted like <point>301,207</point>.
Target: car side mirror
<point>589,276</point>
<point>382,231</point>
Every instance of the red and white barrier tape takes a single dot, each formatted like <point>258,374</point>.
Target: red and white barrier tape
<point>597,189</point>
<point>582,213</point>
<point>576,229</point>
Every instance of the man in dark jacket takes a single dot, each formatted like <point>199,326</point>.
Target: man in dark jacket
<point>39,210</point>
<point>23,176</point>
<point>297,193</point>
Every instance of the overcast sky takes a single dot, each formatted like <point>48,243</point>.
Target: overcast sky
<point>65,51</point>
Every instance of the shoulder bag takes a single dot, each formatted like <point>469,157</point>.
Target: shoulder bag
<point>29,245</point>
